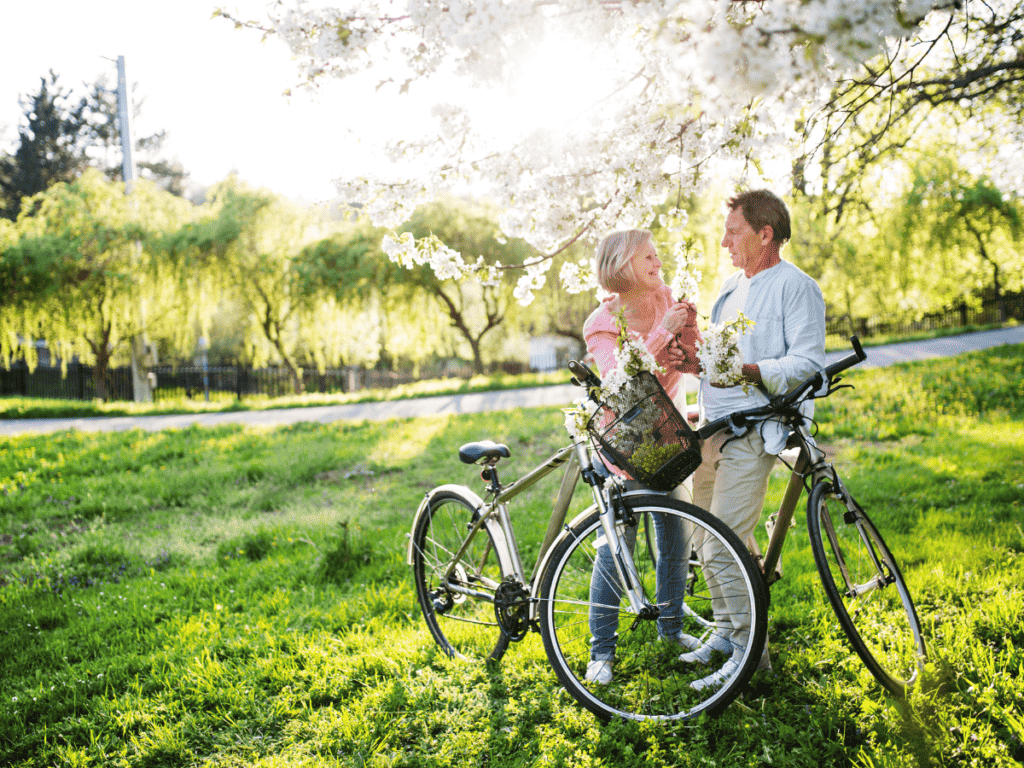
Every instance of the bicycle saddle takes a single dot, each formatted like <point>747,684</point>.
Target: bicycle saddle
<point>483,452</point>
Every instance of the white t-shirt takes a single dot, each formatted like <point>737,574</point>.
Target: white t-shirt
<point>736,301</point>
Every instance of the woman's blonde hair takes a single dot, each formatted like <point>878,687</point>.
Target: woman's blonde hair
<point>614,256</point>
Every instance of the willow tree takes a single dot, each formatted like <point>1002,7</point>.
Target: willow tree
<point>78,273</point>
<point>422,313</point>
<point>967,227</point>
<point>254,249</point>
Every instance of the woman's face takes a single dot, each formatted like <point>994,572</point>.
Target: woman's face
<point>647,268</point>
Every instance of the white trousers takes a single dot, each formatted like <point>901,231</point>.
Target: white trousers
<point>731,483</point>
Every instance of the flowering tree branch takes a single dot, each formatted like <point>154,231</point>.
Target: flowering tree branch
<point>639,100</point>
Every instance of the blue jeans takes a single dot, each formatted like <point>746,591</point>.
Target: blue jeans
<point>670,578</point>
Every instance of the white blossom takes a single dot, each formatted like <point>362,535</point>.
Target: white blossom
<point>719,353</point>
<point>577,277</point>
<point>672,85</point>
<point>686,281</point>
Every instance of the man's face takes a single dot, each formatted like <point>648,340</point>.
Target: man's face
<point>743,243</point>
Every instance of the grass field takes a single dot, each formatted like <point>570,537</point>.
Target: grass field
<point>238,597</point>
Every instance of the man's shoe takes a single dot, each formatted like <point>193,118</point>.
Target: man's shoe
<point>718,677</point>
<point>683,640</point>
<point>599,672</point>
<point>703,653</point>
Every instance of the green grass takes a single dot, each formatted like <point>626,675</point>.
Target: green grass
<point>238,597</point>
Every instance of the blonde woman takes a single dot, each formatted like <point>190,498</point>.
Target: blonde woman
<point>628,267</point>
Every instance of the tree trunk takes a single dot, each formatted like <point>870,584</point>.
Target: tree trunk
<point>1000,304</point>
<point>272,330</point>
<point>478,361</point>
<point>101,371</point>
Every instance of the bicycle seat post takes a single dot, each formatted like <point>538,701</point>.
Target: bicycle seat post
<point>489,474</point>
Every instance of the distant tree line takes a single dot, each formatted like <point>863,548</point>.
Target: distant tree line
<point>255,279</point>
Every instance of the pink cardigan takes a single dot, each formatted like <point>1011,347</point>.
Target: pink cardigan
<point>601,333</point>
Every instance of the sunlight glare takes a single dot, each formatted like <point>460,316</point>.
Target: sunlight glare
<point>553,85</point>
<point>407,440</point>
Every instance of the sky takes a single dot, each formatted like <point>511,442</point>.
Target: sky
<point>216,90</point>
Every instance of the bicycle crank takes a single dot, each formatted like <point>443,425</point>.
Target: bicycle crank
<point>512,609</point>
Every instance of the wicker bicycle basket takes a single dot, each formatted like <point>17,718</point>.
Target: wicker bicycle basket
<point>641,431</point>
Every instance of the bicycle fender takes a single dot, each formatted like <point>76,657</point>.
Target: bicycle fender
<point>504,555</point>
<point>470,496</point>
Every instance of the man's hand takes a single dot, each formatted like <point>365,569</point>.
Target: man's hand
<point>751,374</point>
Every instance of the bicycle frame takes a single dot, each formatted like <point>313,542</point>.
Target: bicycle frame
<point>495,516</point>
<point>812,458</point>
<point>810,462</point>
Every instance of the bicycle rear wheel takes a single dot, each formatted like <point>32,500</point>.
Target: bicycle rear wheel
<point>463,625</point>
<point>649,679</point>
<point>866,589</point>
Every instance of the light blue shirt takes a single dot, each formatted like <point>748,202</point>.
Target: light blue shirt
<point>787,343</point>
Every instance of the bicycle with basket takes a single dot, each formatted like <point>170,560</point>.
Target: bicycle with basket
<point>477,597</point>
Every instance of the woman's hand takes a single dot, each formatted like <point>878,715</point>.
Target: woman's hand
<point>678,317</point>
<point>682,358</point>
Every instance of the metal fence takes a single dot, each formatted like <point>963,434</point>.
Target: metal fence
<point>241,381</point>
<point>78,384</point>
<point>990,312</point>
<point>237,381</point>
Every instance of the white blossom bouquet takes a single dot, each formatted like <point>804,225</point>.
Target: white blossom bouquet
<point>719,352</point>
<point>631,357</point>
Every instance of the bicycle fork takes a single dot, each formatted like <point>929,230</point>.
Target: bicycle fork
<point>883,577</point>
<point>610,508</point>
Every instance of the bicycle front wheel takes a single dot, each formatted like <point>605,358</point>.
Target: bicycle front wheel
<point>866,589</point>
<point>690,567</point>
<point>463,625</point>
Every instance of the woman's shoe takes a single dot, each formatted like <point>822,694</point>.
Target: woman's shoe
<point>599,671</point>
<point>718,677</point>
<point>683,640</point>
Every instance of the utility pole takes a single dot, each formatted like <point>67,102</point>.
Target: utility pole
<point>142,391</point>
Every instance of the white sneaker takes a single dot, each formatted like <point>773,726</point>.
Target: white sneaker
<point>703,653</point>
<point>683,640</point>
<point>719,677</point>
<point>599,672</point>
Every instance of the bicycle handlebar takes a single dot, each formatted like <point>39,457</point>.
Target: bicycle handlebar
<point>742,419</point>
<point>858,356</point>
<point>583,376</point>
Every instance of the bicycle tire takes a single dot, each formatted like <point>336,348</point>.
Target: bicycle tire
<point>880,622</point>
<point>650,682</point>
<point>463,626</point>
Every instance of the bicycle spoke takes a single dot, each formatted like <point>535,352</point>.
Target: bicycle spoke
<point>463,625</point>
<point>649,679</point>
